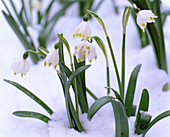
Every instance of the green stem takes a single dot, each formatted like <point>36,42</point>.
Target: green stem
<point>123,65</point>
<point>6,7</point>
<point>115,65</point>
<point>108,80</point>
<point>81,8</point>
<point>91,94</point>
<point>74,85</point>
<point>14,8</point>
<point>25,12</point>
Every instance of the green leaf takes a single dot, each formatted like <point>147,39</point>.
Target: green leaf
<point>75,119</point>
<point>144,104</point>
<point>131,90</point>
<point>91,94</point>
<point>116,95</point>
<point>65,69</point>
<point>164,16</point>
<point>122,128</point>
<point>21,37</point>
<point>155,120</point>
<point>31,95</point>
<point>75,74</point>
<point>30,114</point>
<point>81,86</point>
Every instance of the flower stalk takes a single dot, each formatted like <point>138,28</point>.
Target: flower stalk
<point>110,48</point>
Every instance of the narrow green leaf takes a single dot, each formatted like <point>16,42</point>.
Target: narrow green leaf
<point>75,118</point>
<point>164,16</point>
<point>144,104</point>
<point>81,86</point>
<point>31,95</point>
<point>131,90</point>
<point>65,69</point>
<point>21,37</point>
<point>116,95</point>
<point>155,120</point>
<point>91,94</point>
<point>30,114</point>
<point>121,122</point>
<point>76,73</point>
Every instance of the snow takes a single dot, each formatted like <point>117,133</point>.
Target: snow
<point>45,84</point>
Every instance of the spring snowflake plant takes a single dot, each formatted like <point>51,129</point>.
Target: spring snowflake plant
<point>122,102</point>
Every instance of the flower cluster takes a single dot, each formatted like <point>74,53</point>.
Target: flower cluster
<point>84,48</point>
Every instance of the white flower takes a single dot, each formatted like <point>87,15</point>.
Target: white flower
<point>83,31</point>
<point>52,58</point>
<point>36,4</point>
<point>20,66</point>
<point>144,17</point>
<point>91,53</point>
<point>85,49</point>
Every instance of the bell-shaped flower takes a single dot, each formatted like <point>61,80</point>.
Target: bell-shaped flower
<point>36,4</point>
<point>52,58</point>
<point>21,66</point>
<point>85,49</point>
<point>83,31</point>
<point>91,52</point>
<point>144,17</point>
<point>80,51</point>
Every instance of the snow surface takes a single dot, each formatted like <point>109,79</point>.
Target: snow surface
<point>45,84</point>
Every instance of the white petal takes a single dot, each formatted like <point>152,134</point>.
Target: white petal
<point>144,17</point>
<point>83,31</point>
<point>80,51</point>
<point>21,66</point>
<point>52,58</point>
<point>91,54</point>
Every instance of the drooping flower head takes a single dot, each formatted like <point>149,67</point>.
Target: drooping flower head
<point>21,66</point>
<point>144,17</point>
<point>83,30</point>
<point>85,49</point>
<point>36,4</point>
<point>52,57</point>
